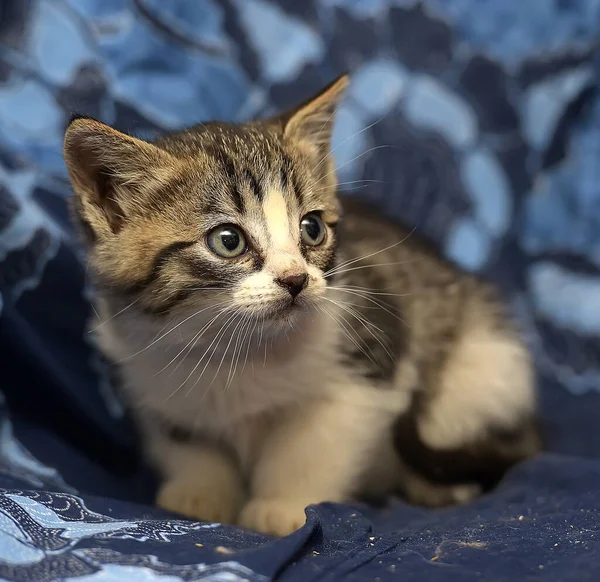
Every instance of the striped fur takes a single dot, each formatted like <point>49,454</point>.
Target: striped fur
<point>392,372</point>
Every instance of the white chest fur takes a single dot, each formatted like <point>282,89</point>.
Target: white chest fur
<point>234,403</point>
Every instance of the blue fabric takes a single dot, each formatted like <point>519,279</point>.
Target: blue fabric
<point>477,121</point>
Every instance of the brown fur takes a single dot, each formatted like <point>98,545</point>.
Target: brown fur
<point>393,371</point>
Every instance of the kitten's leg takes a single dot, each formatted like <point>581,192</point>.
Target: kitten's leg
<point>316,454</point>
<point>200,481</point>
<point>474,423</point>
<point>486,382</point>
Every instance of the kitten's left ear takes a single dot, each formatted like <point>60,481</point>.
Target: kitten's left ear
<point>312,121</point>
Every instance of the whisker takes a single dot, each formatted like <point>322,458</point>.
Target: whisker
<point>373,265</point>
<point>247,336</point>
<point>369,255</point>
<point>245,323</point>
<point>379,304</point>
<point>112,316</point>
<point>222,289</point>
<point>369,291</point>
<point>327,121</point>
<point>346,307</point>
<point>352,160</point>
<point>261,335</point>
<point>192,343</point>
<point>367,325</point>
<point>364,182</point>
<point>171,330</point>
<point>250,336</point>
<point>233,334</point>
<point>217,339</point>
<point>220,335</point>
<point>344,329</point>
<point>349,138</point>
<point>94,309</point>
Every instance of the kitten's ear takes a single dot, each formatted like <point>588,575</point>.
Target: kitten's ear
<point>113,174</point>
<point>312,121</point>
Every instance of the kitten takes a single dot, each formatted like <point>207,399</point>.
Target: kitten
<point>281,346</point>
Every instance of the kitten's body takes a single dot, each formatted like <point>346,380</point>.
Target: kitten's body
<point>275,405</point>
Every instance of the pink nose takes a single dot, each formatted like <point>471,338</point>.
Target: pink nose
<point>293,283</point>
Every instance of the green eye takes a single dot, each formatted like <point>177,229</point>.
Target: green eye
<point>312,230</point>
<point>226,241</point>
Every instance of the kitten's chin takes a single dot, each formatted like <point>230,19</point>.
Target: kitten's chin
<point>283,316</point>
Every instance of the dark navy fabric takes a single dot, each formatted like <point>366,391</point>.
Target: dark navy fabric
<point>475,121</point>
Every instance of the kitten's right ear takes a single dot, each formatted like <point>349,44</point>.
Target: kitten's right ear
<point>312,121</point>
<point>113,174</point>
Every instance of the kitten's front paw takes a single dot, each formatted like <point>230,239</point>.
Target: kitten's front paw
<point>275,517</point>
<point>422,492</point>
<point>203,501</point>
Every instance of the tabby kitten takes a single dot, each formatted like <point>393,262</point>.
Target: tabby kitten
<point>281,346</point>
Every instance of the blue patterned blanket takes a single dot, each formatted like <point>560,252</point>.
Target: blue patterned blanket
<point>476,121</point>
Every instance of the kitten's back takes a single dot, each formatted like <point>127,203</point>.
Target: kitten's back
<point>472,410</point>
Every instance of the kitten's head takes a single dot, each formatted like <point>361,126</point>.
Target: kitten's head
<point>241,217</point>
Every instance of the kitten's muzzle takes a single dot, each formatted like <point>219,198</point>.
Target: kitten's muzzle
<point>294,284</point>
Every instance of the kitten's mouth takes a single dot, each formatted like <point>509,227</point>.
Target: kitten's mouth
<point>289,307</point>
<point>282,310</point>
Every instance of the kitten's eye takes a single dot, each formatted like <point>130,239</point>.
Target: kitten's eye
<point>226,241</point>
<point>312,230</point>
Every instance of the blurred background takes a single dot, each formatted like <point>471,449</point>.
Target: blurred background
<point>477,121</point>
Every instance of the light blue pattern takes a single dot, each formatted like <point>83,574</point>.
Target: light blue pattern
<point>61,43</point>
<point>46,533</point>
<point>570,300</point>
<point>511,30</point>
<point>360,8</point>
<point>378,86</point>
<point>468,245</point>
<point>563,211</point>
<point>545,102</point>
<point>16,461</point>
<point>432,106</point>
<point>289,45</point>
<point>201,22</point>
<point>349,141</point>
<point>488,188</point>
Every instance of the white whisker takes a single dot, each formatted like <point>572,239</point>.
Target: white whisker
<point>364,183</point>
<point>348,139</point>
<point>237,350</point>
<point>112,316</point>
<point>250,336</point>
<point>367,325</point>
<point>171,330</point>
<point>231,321</point>
<point>369,255</point>
<point>192,343</point>
<point>371,266</point>
<point>378,303</point>
<point>344,329</point>
<point>352,160</point>
<point>233,334</point>
<point>216,338</point>
<point>368,291</point>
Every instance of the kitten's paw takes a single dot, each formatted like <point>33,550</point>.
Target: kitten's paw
<point>465,493</point>
<point>202,500</point>
<point>275,517</point>
<point>429,494</point>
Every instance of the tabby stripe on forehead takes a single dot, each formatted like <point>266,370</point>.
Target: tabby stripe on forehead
<point>288,175</point>
<point>235,193</point>
<point>253,184</point>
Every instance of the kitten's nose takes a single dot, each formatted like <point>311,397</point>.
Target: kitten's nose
<point>293,283</point>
